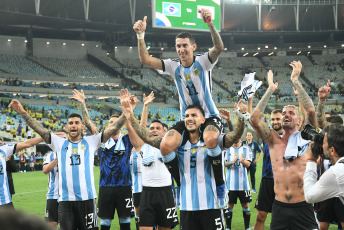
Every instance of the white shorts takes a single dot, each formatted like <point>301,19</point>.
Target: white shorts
<point>32,165</point>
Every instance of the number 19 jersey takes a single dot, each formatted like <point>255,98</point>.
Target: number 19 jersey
<point>75,166</point>
<point>194,83</point>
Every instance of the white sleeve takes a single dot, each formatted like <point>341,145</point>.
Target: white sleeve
<point>46,158</point>
<point>167,67</point>
<point>55,142</point>
<point>95,139</point>
<point>326,187</point>
<point>206,62</point>
<point>8,149</point>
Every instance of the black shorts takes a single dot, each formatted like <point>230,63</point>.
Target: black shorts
<point>78,215</point>
<point>244,196</point>
<point>136,199</point>
<point>331,210</point>
<point>51,210</point>
<point>293,216</point>
<point>157,207</point>
<point>211,219</point>
<point>8,206</point>
<point>266,195</point>
<point>112,198</point>
<point>180,127</point>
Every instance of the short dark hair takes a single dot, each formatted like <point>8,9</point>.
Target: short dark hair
<point>335,119</point>
<point>186,35</point>
<point>276,111</point>
<point>157,121</point>
<point>74,115</point>
<point>196,107</point>
<point>61,131</point>
<point>115,115</point>
<point>165,125</point>
<point>335,138</point>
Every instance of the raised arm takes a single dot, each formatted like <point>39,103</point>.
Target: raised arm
<point>145,58</point>
<point>302,109</point>
<point>134,138</point>
<point>225,114</point>
<point>139,130</point>
<point>28,143</point>
<point>320,114</point>
<point>44,133</point>
<point>260,126</point>
<point>215,51</point>
<point>231,137</point>
<point>303,96</point>
<point>80,97</point>
<point>146,101</point>
<point>114,128</point>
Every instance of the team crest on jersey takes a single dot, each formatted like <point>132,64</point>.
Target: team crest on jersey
<point>2,156</point>
<point>236,154</point>
<point>196,72</point>
<point>204,148</point>
<point>194,150</point>
<point>75,151</point>
<point>187,77</point>
<point>82,147</point>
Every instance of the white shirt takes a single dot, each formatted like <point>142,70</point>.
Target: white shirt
<point>154,174</point>
<point>330,184</point>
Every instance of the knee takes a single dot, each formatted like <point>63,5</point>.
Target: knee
<point>210,137</point>
<point>261,216</point>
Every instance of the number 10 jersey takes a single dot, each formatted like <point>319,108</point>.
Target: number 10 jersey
<point>194,83</point>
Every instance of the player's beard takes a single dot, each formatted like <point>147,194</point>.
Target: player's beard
<point>277,127</point>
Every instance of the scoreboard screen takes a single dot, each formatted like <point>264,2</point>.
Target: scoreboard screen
<point>183,14</point>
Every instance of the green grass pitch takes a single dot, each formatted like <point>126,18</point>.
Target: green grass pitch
<point>31,188</point>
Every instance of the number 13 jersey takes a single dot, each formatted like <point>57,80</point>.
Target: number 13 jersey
<point>194,83</point>
<point>75,162</point>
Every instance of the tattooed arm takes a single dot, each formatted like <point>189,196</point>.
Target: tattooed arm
<point>260,126</point>
<point>140,27</point>
<point>320,114</point>
<point>44,133</point>
<point>28,143</point>
<point>303,96</point>
<point>146,101</point>
<point>225,114</point>
<point>114,128</point>
<point>302,109</point>
<point>80,97</point>
<point>214,52</point>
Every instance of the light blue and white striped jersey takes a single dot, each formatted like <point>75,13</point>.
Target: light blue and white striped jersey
<point>237,178</point>
<point>135,168</point>
<point>198,188</point>
<point>53,186</point>
<point>75,166</point>
<point>5,151</point>
<point>194,83</point>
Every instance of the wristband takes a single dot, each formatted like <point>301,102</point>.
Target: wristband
<point>140,36</point>
<point>312,159</point>
<point>243,117</point>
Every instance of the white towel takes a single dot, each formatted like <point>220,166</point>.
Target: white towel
<point>149,156</point>
<point>249,86</point>
<point>296,146</point>
<point>111,142</point>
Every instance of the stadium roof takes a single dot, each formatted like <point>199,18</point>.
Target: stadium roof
<point>112,20</point>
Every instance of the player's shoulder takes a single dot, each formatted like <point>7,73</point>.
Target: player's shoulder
<point>201,54</point>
